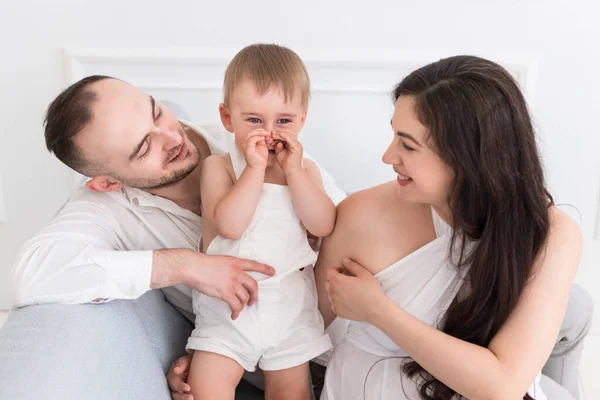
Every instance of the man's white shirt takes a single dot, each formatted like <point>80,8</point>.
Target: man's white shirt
<point>99,245</point>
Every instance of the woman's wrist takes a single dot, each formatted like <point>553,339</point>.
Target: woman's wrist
<point>381,313</point>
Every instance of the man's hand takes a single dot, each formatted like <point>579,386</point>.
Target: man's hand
<point>222,277</point>
<point>177,378</point>
<point>225,278</point>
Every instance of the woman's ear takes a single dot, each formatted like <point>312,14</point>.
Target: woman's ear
<point>103,183</point>
<point>225,117</point>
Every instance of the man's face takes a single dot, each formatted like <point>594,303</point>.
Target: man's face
<point>134,139</point>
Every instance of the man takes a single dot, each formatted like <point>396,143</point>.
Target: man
<point>133,227</point>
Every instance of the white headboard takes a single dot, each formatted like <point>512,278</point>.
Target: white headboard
<point>348,125</point>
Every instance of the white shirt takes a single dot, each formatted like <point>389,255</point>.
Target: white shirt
<point>99,245</point>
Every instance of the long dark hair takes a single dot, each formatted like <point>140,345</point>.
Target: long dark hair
<point>478,123</point>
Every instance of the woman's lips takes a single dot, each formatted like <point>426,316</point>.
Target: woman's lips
<point>403,180</point>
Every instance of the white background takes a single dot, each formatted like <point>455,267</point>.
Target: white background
<point>355,52</point>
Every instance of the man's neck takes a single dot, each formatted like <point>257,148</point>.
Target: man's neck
<point>185,193</point>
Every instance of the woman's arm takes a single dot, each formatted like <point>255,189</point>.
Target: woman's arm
<point>515,355</point>
<point>348,239</point>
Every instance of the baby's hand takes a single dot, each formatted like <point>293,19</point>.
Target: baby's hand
<point>256,151</point>
<point>288,151</point>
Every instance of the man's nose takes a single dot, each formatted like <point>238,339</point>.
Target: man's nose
<point>169,138</point>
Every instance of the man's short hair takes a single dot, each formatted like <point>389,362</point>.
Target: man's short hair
<point>68,114</point>
<point>268,66</point>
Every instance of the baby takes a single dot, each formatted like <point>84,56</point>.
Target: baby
<point>258,202</point>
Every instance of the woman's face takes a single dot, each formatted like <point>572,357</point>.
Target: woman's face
<point>423,177</point>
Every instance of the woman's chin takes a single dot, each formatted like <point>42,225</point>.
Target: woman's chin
<point>406,194</point>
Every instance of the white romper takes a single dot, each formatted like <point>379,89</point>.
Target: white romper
<point>283,328</point>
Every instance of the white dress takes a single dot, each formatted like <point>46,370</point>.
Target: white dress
<point>367,364</point>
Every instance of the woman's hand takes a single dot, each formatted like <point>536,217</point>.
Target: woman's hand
<point>354,293</point>
<point>177,378</point>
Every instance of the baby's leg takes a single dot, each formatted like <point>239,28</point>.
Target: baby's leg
<point>288,384</point>
<point>213,376</point>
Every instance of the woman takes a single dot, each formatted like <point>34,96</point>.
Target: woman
<point>457,275</point>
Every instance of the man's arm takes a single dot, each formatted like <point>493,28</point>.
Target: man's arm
<point>79,258</point>
<point>76,258</point>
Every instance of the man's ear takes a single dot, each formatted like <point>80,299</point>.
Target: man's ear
<point>103,183</point>
<point>225,117</point>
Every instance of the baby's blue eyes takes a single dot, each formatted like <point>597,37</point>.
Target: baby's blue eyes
<point>253,120</point>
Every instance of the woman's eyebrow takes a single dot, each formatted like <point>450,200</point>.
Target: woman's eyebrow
<point>407,136</point>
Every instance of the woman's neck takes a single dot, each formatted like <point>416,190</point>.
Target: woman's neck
<point>444,212</point>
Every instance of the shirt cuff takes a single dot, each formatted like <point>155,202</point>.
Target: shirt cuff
<point>128,273</point>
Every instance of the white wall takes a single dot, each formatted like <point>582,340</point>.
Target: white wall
<point>556,40</point>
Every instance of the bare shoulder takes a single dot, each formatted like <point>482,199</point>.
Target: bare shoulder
<point>215,165</point>
<point>564,237</point>
<point>371,203</point>
<point>373,210</point>
<point>309,164</point>
<point>313,170</point>
<point>377,228</point>
<point>216,161</point>
<point>562,252</point>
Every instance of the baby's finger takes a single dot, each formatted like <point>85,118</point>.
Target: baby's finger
<point>255,141</point>
<point>290,141</point>
<point>285,136</point>
<point>279,148</point>
<point>258,136</point>
<point>259,131</point>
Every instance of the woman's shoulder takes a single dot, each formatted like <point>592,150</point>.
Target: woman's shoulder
<point>563,229</point>
<point>564,241</point>
<point>376,227</point>
<point>375,208</point>
<point>368,203</point>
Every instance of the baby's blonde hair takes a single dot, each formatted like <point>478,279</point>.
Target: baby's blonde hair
<point>268,66</point>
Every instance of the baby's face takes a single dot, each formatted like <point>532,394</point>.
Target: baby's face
<point>249,111</point>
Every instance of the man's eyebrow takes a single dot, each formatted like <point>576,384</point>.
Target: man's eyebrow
<point>407,136</point>
<point>138,147</point>
<point>153,104</point>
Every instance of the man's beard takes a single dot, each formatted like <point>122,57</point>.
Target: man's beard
<point>164,181</point>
